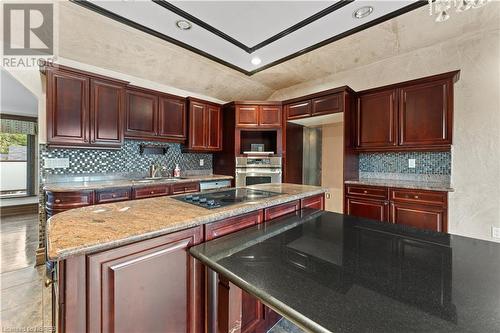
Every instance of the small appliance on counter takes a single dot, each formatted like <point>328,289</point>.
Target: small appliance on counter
<point>253,170</point>
<point>218,199</point>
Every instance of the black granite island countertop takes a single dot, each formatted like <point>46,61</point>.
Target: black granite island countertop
<point>329,272</point>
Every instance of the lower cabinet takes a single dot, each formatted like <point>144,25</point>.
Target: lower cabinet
<point>149,286</point>
<point>367,208</point>
<point>416,208</point>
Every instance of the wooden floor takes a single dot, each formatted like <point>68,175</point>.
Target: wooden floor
<point>25,302</point>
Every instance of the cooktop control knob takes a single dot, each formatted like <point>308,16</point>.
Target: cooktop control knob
<point>211,202</point>
<point>196,198</point>
<point>189,197</point>
<point>203,200</point>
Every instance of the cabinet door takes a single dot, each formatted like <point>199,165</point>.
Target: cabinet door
<point>213,128</point>
<point>270,116</point>
<point>425,114</point>
<point>149,286</point>
<point>419,216</point>
<point>142,110</point>
<point>247,115</point>
<point>68,120</point>
<point>298,110</point>
<point>370,209</point>
<point>172,118</point>
<point>327,104</point>
<point>376,124</point>
<point>197,124</point>
<point>106,113</point>
<point>315,202</point>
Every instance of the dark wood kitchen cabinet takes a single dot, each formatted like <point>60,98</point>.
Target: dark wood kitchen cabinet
<point>425,114</point>
<point>317,104</point>
<point>376,124</point>
<point>149,286</point>
<point>298,110</point>
<point>172,118</point>
<point>83,109</point>
<point>155,116</point>
<point>68,112</point>
<point>422,209</point>
<point>142,113</point>
<point>205,126</point>
<point>259,115</point>
<point>412,115</point>
<point>106,113</point>
<point>57,202</point>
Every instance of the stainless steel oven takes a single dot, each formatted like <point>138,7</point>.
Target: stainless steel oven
<point>253,170</point>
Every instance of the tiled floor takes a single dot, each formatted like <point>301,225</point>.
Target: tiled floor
<point>25,302</point>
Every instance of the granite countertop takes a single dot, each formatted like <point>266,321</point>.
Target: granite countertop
<point>100,227</point>
<point>411,184</point>
<point>103,184</point>
<point>329,272</point>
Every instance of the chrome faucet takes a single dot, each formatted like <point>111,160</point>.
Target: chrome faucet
<point>153,170</point>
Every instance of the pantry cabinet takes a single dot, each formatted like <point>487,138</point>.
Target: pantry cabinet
<point>413,115</point>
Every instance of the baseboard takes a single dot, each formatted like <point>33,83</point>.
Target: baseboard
<point>19,210</point>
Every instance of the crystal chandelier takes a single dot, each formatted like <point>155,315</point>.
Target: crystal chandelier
<point>442,7</point>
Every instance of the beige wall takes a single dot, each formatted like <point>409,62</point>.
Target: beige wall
<point>474,207</point>
<point>332,165</point>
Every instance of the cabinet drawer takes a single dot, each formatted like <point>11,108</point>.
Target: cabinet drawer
<point>280,210</point>
<point>150,191</point>
<point>112,195</point>
<point>364,191</point>
<point>227,226</point>
<point>68,200</point>
<point>316,202</point>
<point>185,188</point>
<point>419,196</point>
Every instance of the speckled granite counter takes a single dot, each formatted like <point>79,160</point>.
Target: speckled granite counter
<point>95,228</point>
<point>418,185</point>
<point>330,272</point>
<point>97,185</point>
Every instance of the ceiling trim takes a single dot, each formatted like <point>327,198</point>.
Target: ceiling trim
<point>250,49</point>
<point>130,23</point>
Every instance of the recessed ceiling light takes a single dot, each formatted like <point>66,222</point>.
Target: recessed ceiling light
<point>183,25</point>
<point>256,61</point>
<point>363,12</point>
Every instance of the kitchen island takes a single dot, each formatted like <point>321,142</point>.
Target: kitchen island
<point>125,267</point>
<point>330,272</point>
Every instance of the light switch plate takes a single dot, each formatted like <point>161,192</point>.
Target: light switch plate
<point>202,162</point>
<point>56,163</point>
<point>411,163</point>
<point>495,232</point>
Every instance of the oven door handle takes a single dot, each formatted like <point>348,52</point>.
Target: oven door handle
<point>256,173</point>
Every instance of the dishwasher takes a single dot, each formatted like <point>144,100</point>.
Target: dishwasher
<point>214,184</point>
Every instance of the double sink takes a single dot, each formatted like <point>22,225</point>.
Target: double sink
<point>147,180</point>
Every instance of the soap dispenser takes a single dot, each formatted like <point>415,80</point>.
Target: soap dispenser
<point>177,171</point>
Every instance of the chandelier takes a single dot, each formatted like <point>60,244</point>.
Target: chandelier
<point>442,7</point>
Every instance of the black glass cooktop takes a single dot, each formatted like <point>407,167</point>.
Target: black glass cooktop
<point>225,198</point>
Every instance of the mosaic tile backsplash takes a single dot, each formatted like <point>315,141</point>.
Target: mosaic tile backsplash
<point>429,163</point>
<point>125,160</point>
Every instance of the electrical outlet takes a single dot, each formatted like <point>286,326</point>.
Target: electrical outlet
<point>202,162</point>
<point>411,163</point>
<point>495,232</point>
<point>56,163</point>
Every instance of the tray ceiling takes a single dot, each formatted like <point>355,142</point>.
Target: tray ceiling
<point>235,32</point>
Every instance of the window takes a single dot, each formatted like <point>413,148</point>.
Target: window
<point>17,158</point>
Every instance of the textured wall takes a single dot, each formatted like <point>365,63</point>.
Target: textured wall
<point>125,160</point>
<point>473,46</point>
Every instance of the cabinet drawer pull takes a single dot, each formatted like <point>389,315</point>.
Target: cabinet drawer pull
<point>152,192</point>
<point>365,192</point>
<point>57,200</point>
<point>113,195</point>
<point>416,197</point>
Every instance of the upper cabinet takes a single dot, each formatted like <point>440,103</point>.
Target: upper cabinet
<point>376,119</point>
<point>413,115</point>
<point>152,115</point>
<point>83,109</point>
<point>205,126</point>
<point>319,104</point>
<point>261,115</point>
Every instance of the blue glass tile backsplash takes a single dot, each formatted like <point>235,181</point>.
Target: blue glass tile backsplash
<point>124,160</point>
<point>435,163</point>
